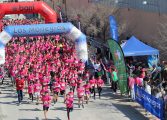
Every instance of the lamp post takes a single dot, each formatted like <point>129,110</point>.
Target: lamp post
<point>65,5</point>
<point>117,2</point>
<point>156,5</point>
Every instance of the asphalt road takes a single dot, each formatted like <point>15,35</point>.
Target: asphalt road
<point>109,107</point>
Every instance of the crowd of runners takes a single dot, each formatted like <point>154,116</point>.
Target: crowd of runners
<point>46,67</point>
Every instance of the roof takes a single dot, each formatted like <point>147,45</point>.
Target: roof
<point>134,47</point>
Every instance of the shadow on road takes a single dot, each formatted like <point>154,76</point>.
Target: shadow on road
<point>120,103</point>
<point>36,109</point>
<point>39,119</point>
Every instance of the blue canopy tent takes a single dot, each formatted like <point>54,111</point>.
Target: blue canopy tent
<point>134,47</point>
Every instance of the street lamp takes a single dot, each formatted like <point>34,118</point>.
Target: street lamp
<point>155,5</point>
<point>65,5</point>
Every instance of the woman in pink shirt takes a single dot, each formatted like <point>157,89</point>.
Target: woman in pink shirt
<point>31,90</point>
<point>37,89</point>
<point>80,94</point>
<point>100,83</point>
<point>69,105</point>
<point>56,90</point>
<point>131,87</point>
<point>46,99</point>
<point>63,87</point>
<point>92,82</point>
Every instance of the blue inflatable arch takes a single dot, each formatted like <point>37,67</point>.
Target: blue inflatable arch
<point>48,29</point>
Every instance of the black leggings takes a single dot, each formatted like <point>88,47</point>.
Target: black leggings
<point>92,90</point>
<point>99,91</point>
<point>73,88</point>
<point>31,96</point>
<point>68,112</point>
<point>114,85</point>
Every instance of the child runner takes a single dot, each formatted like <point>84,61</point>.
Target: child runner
<point>92,86</point>
<point>100,83</point>
<point>69,104</point>
<point>46,99</point>
<point>31,90</point>
<point>80,94</point>
<point>87,91</point>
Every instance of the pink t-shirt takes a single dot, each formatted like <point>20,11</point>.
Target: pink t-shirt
<point>80,91</point>
<point>71,94</point>
<point>139,81</point>
<point>73,82</point>
<point>131,82</point>
<point>37,87</point>
<point>87,87</point>
<point>46,100</point>
<point>100,82</point>
<point>69,102</point>
<point>56,87</point>
<point>92,82</point>
<point>31,89</point>
<point>62,85</point>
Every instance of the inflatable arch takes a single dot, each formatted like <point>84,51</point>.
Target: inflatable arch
<point>48,29</point>
<point>29,7</point>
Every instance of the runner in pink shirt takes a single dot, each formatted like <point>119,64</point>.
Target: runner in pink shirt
<point>37,89</point>
<point>87,91</point>
<point>80,94</point>
<point>71,93</point>
<point>56,90</point>
<point>73,83</point>
<point>69,105</point>
<point>31,90</point>
<point>63,88</point>
<point>100,83</point>
<point>46,99</point>
<point>92,82</point>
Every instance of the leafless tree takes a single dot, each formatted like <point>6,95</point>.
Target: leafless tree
<point>161,44</point>
<point>95,19</point>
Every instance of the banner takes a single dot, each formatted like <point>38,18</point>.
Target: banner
<point>152,60</point>
<point>118,58</point>
<point>29,8</point>
<point>149,102</point>
<point>48,29</point>
<point>113,28</point>
<point>2,54</point>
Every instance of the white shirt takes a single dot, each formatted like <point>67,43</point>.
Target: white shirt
<point>148,89</point>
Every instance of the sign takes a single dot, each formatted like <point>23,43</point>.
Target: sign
<point>2,54</point>
<point>119,63</point>
<point>152,60</point>
<point>113,28</point>
<point>149,102</point>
